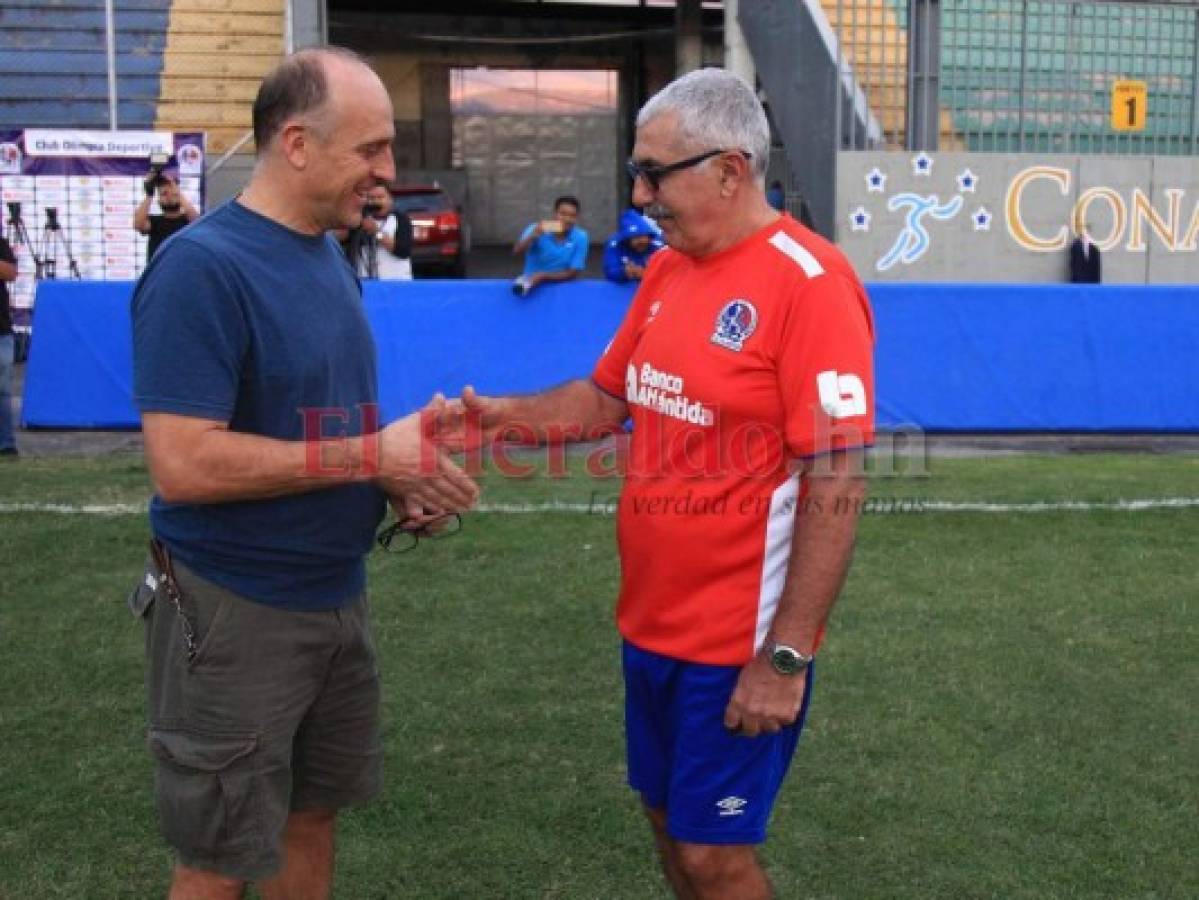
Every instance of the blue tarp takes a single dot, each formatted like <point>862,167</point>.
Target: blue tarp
<point>950,357</point>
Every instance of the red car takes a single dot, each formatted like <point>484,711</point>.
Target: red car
<point>440,236</point>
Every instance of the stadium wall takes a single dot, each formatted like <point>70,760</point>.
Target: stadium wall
<point>949,357</point>
<point>989,217</point>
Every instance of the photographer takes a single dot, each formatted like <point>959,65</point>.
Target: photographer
<point>393,236</point>
<point>381,246</point>
<point>177,211</point>
<point>555,249</point>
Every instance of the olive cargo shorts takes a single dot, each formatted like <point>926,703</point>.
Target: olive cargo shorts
<point>254,712</point>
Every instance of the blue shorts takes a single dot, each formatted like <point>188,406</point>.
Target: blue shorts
<point>717,787</point>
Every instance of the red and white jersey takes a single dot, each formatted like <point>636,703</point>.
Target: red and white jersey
<point>732,366</point>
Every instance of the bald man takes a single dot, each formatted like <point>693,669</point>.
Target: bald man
<point>254,372</point>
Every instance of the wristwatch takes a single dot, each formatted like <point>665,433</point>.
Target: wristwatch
<point>787,660</point>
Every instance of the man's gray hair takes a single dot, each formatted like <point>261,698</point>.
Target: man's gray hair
<point>716,110</point>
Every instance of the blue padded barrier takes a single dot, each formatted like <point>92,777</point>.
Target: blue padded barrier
<point>431,335</point>
<point>442,335</point>
<point>950,357</point>
<point>80,368</point>
<point>1009,357</point>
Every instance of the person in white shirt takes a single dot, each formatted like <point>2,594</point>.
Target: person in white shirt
<point>394,238</point>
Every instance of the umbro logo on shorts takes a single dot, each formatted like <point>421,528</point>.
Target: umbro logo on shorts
<point>731,806</point>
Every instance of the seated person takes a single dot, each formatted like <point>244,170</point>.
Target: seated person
<point>555,249</point>
<point>629,249</point>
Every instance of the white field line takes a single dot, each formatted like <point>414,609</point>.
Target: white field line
<point>76,509</point>
<point>885,505</point>
<point>606,506</point>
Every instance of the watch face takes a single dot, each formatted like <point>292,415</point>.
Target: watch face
<point>785,660</point>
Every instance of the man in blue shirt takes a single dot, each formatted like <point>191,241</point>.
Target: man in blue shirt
<point>555,249</point>
<point>254,372</point>
<point>628,251</point>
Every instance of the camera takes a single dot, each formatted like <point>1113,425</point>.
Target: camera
<point>52,218</point>
<point>375,210</point>
<point>14,210</point>
<point>158,163</point>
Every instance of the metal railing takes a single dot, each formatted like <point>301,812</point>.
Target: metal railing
<point>1021,75</point>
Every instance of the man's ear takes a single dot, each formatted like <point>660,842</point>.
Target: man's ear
<point>733,168</point>
<point>295,145</point>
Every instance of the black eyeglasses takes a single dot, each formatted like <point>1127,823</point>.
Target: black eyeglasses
<point>395,538</point>
<point>653,175</point>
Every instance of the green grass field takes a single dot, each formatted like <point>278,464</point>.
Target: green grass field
<point>1006,704</point>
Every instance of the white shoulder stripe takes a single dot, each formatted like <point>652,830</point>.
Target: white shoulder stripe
<point>806,261</point>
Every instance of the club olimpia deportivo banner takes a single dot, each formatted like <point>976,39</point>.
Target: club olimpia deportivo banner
<point>93,181</point>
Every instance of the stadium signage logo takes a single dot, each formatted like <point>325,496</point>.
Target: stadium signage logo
<point>1134,219</point>
<point>914,241</point>
<point>10,159</point>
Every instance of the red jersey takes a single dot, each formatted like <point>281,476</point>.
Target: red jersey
<point>732,365</point>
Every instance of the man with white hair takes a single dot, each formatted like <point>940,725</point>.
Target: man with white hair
<point>254,371</point>
<point>745,362</point>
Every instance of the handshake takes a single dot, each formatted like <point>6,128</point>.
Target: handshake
<point>412,457</point>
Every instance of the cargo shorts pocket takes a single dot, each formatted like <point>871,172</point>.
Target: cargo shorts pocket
<point>207,788</point>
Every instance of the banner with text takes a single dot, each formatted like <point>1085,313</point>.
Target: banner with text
<point>70,195</point>
<point>930,216</point>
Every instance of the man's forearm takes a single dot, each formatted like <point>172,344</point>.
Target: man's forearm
<point>8,271</point>
<point>525,242</point>
<point>141,217</point>
<point>821,550</point>
<point>575,411</point>
<point>222,466</point>
<point>559,275</point>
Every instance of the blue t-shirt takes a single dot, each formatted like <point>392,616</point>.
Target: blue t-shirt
<point>548,254</point>
<point>242,320</point>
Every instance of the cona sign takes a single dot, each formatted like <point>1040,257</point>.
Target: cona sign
<point>1132,219</point>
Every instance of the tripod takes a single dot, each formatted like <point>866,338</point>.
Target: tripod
<point>16,234</point>
<point>52,241</point>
